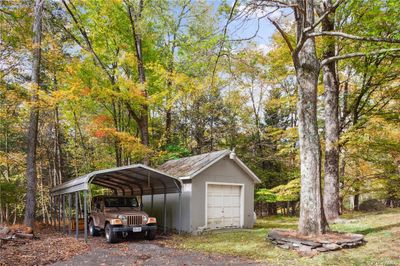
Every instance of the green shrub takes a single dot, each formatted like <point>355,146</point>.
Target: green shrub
<point>372,205</point>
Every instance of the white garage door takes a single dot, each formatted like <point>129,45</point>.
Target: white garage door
<point>223,205</point>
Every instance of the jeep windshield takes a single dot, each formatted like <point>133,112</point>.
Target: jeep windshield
<point>120,202</point>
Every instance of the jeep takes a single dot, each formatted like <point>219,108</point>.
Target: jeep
<point>120,216</point>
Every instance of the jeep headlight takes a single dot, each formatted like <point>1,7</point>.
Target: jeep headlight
<point>122,217</point>
<point>145,218</point>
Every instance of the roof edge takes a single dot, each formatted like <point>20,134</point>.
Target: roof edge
<point>82,182</point>
<point>247,170</point>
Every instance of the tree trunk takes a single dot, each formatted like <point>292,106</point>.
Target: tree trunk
<point>33,118</point>
<point>168,125</point>
<point>357,201</point>
<point>293,208</point>
<point>15,213</point>
<point>1,210</point>
<point>143,122</point>
<point>312,219</point>
<point>331,85</point>
<point>42,199</point>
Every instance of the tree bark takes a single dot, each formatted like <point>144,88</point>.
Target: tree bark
<point>357,200</point>
<point>168,126</point>
<point>143,119</point>
<point>58,158</point>
<point>331,85</point>
<point>33,118</point>
<point>312,219</point>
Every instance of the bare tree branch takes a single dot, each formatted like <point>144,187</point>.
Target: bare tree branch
<point>324,15</point>
<point>222,42</point>
<point>283,33</point>
<point>275,3</point>
<point>258,27</point>
<point>87,41</point>
<point>351,55</point>
<point>352,37</point>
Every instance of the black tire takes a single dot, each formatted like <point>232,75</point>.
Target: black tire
<point>151,234</point>
<point>111,237</point>
<point>93,231</point>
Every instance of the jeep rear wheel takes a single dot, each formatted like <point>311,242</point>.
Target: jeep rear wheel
<point>111,237</point>
<point>93,231</point>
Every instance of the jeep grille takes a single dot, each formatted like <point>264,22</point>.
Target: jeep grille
<point>134,219</point>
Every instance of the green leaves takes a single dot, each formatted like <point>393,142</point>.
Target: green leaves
<point>288,192</point>
<point>265,195</point>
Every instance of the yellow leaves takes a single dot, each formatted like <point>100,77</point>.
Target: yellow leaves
<point>287,100</point>
<point>132,144</point>
<point>130,91</point>
<point>288,192</point>
<point>129,59</point>
<point>12,158</point>
<point>101,128</point>
<point>170,86</point>
<point>372,149</point>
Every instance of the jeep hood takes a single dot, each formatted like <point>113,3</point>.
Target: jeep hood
<point>124,211</point>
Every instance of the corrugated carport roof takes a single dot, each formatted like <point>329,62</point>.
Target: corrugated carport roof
<point>134,179</point>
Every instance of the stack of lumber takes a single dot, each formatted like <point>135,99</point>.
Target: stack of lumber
<point>7,233</point>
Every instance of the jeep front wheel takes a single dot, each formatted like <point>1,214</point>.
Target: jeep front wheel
<point>151,234</point>
<point>93,231</point>
<point>111,237</point>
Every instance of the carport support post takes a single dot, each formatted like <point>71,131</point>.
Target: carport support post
<point>165,212</point>
<point>59,213</point>
<point>51,211</point>
<point>69,214</point>
<point>63,213</point>
<point>85,213</point>
<point>152,202</point>
<point>180,212</point>
<point>76,216</point>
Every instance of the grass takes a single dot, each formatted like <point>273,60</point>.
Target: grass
<point>381,230</point>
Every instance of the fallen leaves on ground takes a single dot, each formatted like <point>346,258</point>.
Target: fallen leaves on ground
<point>47,247</point>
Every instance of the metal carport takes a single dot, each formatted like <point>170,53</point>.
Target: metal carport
<point>137,180</point>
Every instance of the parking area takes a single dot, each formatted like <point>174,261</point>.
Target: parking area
<point>141,252</point>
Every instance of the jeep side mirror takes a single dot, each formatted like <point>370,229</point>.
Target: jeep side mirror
<point>141,206</point>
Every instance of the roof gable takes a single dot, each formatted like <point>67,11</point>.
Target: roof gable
<point>189,167</point>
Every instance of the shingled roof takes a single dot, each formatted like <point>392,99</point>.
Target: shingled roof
<point>188,167</point>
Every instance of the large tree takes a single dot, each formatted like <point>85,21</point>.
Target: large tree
<point>34,117</point>
<point>331,114</point>
<point>307,66</point>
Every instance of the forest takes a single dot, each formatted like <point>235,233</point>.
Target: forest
<point>306,92</point>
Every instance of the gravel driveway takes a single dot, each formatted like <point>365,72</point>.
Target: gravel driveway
<point>148,253</point>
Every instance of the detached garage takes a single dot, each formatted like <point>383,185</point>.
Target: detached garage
<point>217,192</point>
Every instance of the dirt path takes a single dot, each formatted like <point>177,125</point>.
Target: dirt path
<point>148,253</point>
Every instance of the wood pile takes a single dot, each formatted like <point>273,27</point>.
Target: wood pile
<point>289,239</point>
<point>7,233</point>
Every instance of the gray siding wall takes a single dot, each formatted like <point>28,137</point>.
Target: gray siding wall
<point>172,210</point>
<point>224,171</point>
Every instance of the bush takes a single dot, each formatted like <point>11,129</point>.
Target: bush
<point>372,205</point>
